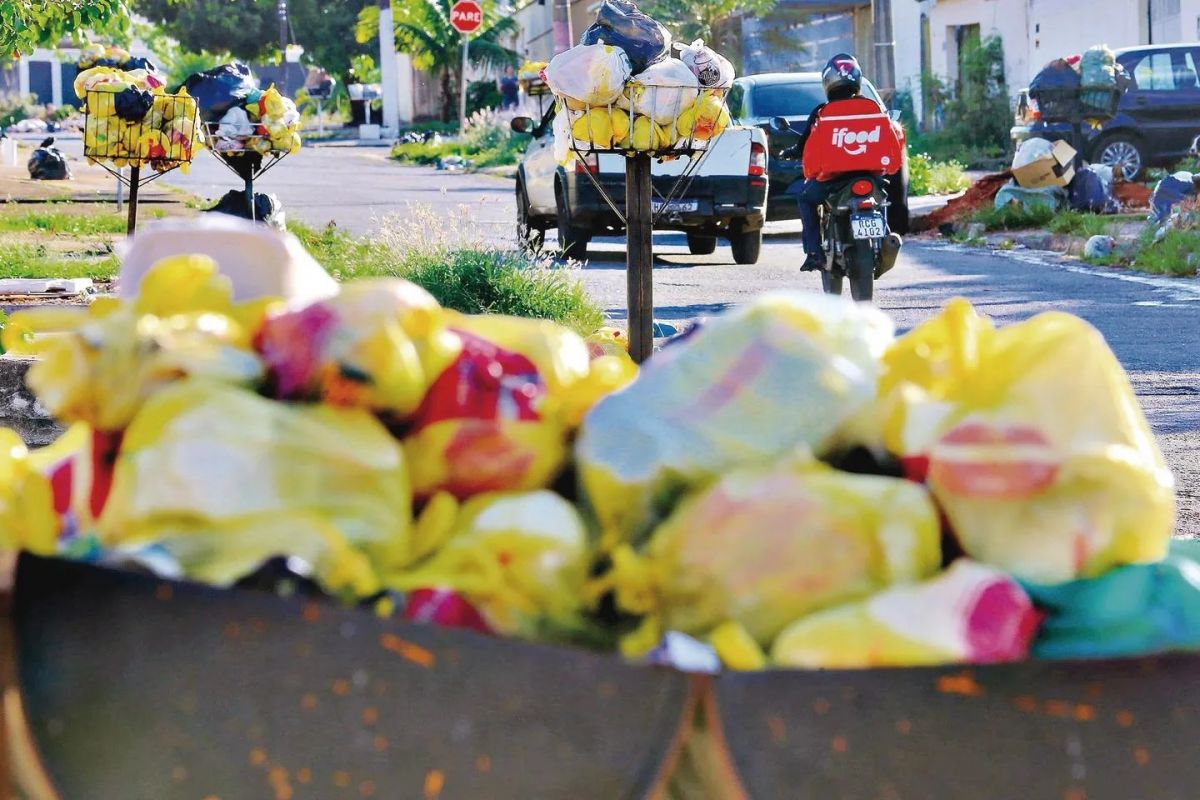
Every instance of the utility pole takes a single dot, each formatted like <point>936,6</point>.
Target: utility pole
<point>389,70</point>
<point>283,43</point>
<point>885,47</point>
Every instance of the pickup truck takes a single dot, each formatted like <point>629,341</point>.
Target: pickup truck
<point>726,197</point>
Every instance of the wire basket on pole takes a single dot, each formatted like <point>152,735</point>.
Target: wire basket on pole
<point>248,157</point>
<point>123,129</point>
<point>644,123</point>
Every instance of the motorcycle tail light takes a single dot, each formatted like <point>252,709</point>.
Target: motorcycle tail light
<point>758,160</point>
<point>866,204</point>
<point>862,188</point>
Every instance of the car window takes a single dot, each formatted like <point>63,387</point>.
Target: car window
<point>786,99</point>
<point>736,101</point>
<point>1166,72</point>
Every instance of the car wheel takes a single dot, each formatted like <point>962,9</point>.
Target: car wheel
<point>701,245</point>
<point>572,242</point>
<point>528,236</point>
<point>746,246</point>
<point>1124,154</point>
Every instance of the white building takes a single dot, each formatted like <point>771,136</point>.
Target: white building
<point>1034,32</point>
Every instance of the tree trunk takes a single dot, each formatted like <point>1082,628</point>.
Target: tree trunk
<point>448,96</point>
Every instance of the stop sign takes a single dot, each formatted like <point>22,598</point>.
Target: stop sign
<point>466,16</point>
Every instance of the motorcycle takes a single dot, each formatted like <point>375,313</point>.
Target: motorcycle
<point>857,241</point>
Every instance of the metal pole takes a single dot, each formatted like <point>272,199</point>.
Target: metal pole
<point>885,47</point>
<point>639,259</point>
<point>283,43</point>
<point>462,94</point>
<point>135,175</point>
<point>320,119</point>
<point>250,196</point>
<point>120,192</point>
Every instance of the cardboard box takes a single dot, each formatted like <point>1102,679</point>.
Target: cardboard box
<point>1056,169</point>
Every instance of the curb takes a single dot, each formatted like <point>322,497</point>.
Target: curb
<point>19,410</point>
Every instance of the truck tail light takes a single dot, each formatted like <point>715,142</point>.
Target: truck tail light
<point>587,164</point>
<point>1035,113</point>
<point>758,160</point>
<point>862,188</point>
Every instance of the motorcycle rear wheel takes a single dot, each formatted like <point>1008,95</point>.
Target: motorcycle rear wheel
<point>861,271</point>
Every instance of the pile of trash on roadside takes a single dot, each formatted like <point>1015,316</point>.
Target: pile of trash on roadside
<point>130,117</point>
<point>242,118</point>
<point>47,163</point>
<point>622,88</point>
<point>790,485</point>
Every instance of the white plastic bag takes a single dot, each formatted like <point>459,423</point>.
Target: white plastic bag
<point>663,91</point>
<point>564,156</point>
<point>235,123</point>
<point>591,75</point>
<point>1030,151</point>
<point>711,68</point>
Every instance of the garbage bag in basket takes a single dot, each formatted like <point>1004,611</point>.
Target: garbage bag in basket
<point>970,614</point>
<point>1032,442</point>
<point>711,68</point>
<point>786,370</point>
<point>620,23</point>
<point>224,479</point>
<point>662,91</point>
<point>764,546</point>
<point>589,76</point>
<point>219,89</point>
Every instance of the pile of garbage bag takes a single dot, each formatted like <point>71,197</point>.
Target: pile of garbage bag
<point>1083,87</point>
<point>132,119</point>
<point>241,118</point>
<point>47,163</point>
<point>789,485</point>
<point>622,88</point>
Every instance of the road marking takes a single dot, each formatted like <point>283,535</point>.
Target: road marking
<point>1183,287</point>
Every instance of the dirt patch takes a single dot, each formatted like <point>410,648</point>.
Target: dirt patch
<point>981,195</point>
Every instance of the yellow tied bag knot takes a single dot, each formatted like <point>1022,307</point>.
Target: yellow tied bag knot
<point>1034,443</point>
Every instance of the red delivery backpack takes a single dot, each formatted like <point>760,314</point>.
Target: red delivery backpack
<point>852,136</point>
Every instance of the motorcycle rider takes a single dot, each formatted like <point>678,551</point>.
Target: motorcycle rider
<point>842,80</point>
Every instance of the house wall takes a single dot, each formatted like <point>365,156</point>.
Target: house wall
<point>907,32</point>
<point>1057,28</point>
<point>1007,19</point>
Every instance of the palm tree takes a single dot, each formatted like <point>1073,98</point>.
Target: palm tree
<point>424,33</point>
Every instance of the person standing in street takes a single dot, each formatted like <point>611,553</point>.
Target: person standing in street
<point>509,90</point>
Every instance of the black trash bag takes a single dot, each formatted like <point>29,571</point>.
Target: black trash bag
<point>48,163</point>
<point>219,89</point>
<point>266,206</point>
<point>1056,75</point>
<point>132,105</point>
<point>1170,192</point>
<point>140,63</point>
<point>1090,192</point>
<point>620,24</point>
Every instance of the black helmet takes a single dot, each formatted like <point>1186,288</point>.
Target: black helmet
<point>842,77</point>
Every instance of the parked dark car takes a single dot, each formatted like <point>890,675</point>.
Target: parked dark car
<point>757,99</point>
<point>1156,122</point>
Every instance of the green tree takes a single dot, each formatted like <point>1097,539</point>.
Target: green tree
<point>28,24</point>
<point>424,33</point>
<point>249,29</point>
<point>689,20</point>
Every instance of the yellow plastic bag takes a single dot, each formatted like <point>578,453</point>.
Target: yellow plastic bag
<point>970,614</point>
<point>784,371</point>
<point>497,418</point>
<point>1036,447</point>
<point>225,479</point>
<point>98,366</point>
<point>376,344</point>
<point>521,559</point>
<point>601,127</point>
<point>762,547</point>
<point>28,520</point>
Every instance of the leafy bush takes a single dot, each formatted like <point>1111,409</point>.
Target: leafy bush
<point>927,176</point>
<point>488,141</point>
<point>1014,217</point>
<point>1173,254</point>
<point>14,108</point>
<point>482,95</point>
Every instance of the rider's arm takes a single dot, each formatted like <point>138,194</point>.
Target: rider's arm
<point>812,120</point>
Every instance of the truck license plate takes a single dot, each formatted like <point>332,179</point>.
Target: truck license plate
<point>676,206</point>
<point>869,226</point>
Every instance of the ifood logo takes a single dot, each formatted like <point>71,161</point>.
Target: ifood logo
<point>855,143</point>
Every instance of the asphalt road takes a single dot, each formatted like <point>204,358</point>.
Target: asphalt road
<point>1151,323</point>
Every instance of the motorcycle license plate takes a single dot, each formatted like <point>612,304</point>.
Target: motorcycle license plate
<point>867,226</point>
<point>677,206</point>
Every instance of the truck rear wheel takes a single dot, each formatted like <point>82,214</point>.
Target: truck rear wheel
<point>701,245</point>
<point>746,246</point>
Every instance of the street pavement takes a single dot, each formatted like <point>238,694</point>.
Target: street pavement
<point>1151,323</point>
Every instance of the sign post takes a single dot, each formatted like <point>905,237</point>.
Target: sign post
<point>466,17</point>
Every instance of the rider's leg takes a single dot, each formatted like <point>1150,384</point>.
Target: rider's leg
<point>811,195</point>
